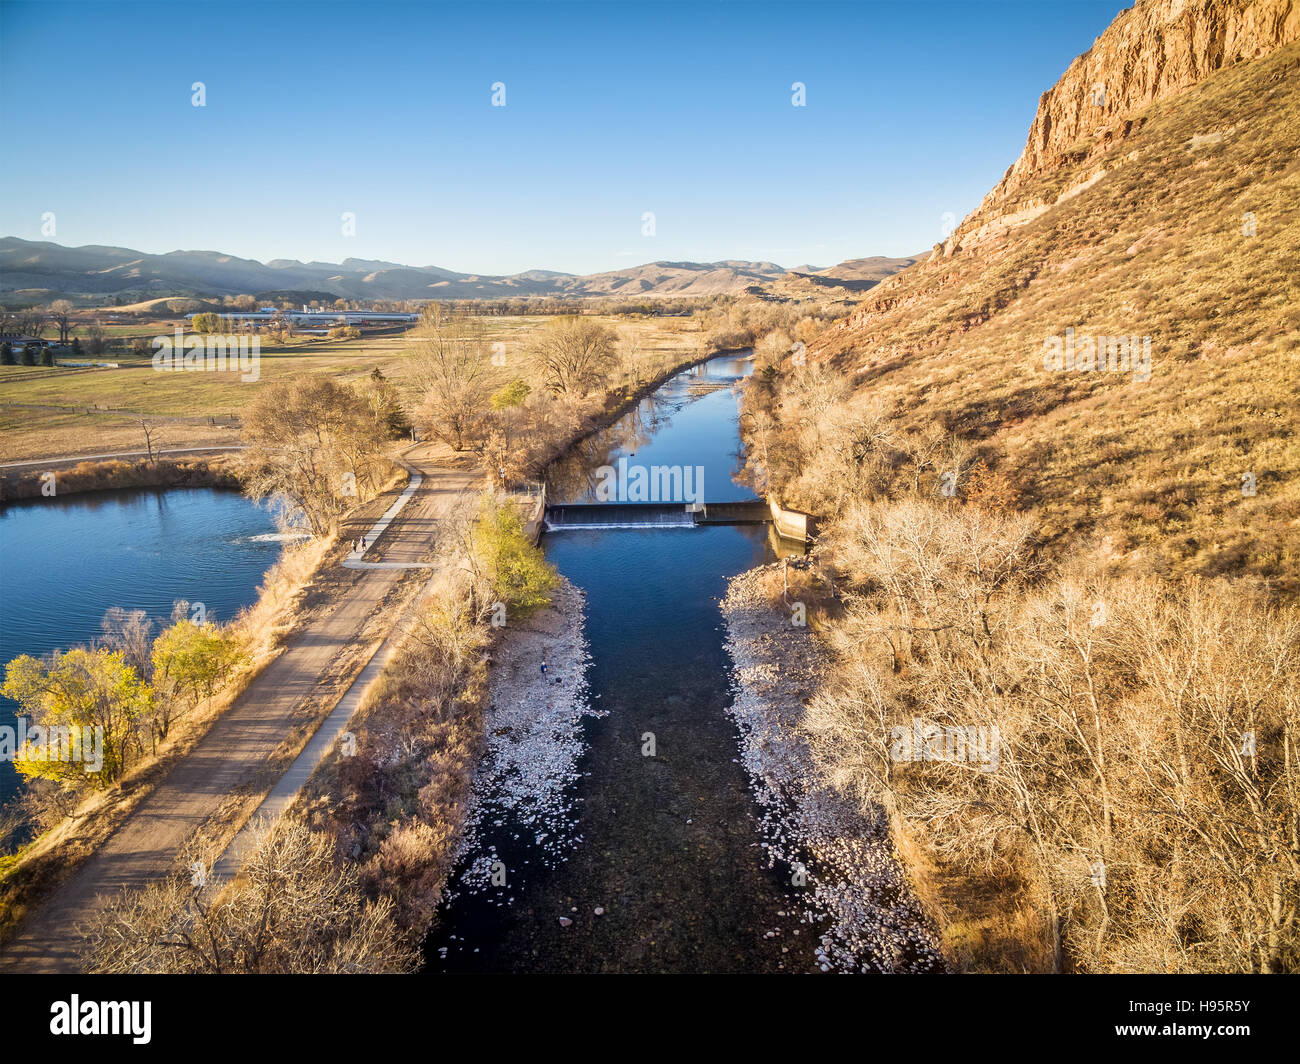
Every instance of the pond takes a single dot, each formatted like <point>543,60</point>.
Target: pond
<point>65,561</point>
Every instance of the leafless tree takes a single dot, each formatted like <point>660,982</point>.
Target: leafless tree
<point>448,367</point>
<point>150,431</point>
<point>295,909</point>
<point>131,632</point>
<point>61,315</point>
<point>575,354</point>
<point>312,442</point>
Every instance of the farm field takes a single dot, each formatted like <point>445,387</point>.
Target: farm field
<point>49,412</point>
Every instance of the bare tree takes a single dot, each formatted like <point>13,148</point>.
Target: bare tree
<point>448,367</point>
<point>150,431</point>
<point>295,909</point>
<point>131,632</point>
<point>1147,776</point>
<point>313,443</point>
<point>575,354</point>
<point>61,315</point>
<point>33,321</point>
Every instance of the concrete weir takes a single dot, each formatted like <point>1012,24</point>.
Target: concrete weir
<point>561,516</point>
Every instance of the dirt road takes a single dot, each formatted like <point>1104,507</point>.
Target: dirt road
<point>234,751</point>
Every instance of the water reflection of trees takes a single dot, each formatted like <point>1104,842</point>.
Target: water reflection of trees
<point>572,477</point>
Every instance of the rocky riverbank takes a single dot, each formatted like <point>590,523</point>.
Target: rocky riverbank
<point>856,894</point>
<point>534,738</point>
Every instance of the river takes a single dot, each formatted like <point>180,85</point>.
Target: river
<point>669,846</point>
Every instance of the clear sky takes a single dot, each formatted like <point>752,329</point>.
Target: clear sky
<point>384,109</point>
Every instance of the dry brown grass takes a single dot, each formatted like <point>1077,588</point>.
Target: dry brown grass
<point>1150,473</point>
<point>113,474</point>
<point>989,919</point>
<point>1131,488</point>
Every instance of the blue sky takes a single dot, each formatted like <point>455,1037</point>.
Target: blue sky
<point>385,110</point>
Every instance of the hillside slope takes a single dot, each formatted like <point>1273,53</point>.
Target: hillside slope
<point>1176,219</point>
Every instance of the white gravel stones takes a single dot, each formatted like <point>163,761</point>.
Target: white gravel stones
<point>534,739</point>
<point>856,894</point>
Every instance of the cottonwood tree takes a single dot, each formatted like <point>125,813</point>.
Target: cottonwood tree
<point>80,689</point>
<point>188,661</point>
<point>314,443</point>
<point>448,366</point>
<point>33,321</point>
<point>61,315</point>
<point>519,573</point>
<point>574,354</point>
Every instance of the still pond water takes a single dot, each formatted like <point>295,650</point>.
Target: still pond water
<point>65,561</point>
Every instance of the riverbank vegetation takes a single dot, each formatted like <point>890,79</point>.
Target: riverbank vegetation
<point>54,411</point>
<point>318,448</point>
<point>1099,569</point>
<point>294,910</point>
<point>396,805</point>
<point>355,870</point>
<point>1112,753</point>
<point>114,474</point>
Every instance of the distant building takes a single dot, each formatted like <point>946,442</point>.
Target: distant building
<point>19,343</point>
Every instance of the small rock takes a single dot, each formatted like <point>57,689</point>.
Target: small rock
<point>565,921</point>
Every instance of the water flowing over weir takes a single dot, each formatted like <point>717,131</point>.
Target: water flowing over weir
<point>566,517</point>
<point>642,862</point>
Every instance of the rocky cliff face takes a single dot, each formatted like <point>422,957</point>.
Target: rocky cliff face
<point>1152,51</point>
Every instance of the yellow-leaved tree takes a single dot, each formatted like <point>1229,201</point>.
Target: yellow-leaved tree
<point>85,706</point>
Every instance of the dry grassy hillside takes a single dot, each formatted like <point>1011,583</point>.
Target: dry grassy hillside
<point>1187,231</point>
<point>1013,538</point>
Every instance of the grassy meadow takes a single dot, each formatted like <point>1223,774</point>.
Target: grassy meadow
<point>97,411</point>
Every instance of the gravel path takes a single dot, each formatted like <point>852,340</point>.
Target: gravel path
<point>233,752</point>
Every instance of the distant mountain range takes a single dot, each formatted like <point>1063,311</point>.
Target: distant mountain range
<point>41,270</point>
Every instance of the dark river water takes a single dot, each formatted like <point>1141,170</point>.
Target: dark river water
<point>670,844</point>
<point>65,561</point>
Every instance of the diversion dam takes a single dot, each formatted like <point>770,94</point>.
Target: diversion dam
<point>562,517</point>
